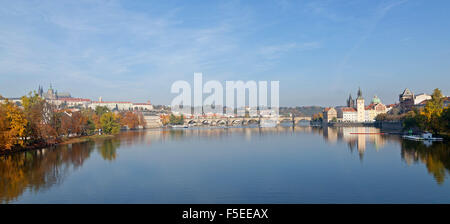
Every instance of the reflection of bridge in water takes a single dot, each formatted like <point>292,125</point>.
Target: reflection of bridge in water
<point>238,121</point>
<point>153,120</point>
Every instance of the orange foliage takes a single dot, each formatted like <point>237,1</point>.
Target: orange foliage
<point>12,126</point>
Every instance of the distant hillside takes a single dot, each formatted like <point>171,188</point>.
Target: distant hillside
<point>301,111</point>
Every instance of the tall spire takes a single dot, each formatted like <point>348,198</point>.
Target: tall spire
<point>359,93</point>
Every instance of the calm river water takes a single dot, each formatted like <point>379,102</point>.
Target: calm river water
<point>233,165</point>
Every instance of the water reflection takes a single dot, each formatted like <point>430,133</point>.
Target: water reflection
<point>357,137</point>
<point>39,170</point>
<point>108,149</point>
<point>435,156</point>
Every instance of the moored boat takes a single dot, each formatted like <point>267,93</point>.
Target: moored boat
<point>179,126</point>
<point>425,136</point>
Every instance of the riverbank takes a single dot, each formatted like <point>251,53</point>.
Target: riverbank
<point>74,140</point>
<point>63,141</point>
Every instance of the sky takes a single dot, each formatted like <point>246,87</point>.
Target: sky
<point>320,51</point>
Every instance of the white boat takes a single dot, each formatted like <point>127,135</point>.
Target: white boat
<point>425,136</point>
<point>179,126</point>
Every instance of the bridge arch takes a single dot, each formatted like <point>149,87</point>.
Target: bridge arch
<point>236,122</point>
<point>286,120</point>
<point>303,122</point>
<point>221,122</point>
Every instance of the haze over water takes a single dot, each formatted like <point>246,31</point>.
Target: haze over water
<point>232,165</point>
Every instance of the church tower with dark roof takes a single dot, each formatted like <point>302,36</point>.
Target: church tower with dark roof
<point>350,101</point>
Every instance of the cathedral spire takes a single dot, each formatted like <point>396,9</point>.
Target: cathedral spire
<point>359,93</point>
<point>350,101</point>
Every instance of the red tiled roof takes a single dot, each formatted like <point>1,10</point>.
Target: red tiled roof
<point>371,106</point>
<point>75,99</point>
<point>348,109</point>
<point>141,104</point>
<point>110,102</point>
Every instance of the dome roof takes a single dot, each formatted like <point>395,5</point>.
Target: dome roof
<point>376,100</point>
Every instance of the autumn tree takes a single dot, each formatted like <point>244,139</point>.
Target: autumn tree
<point>66,124</point>
<point>79,123</point>
<point>33,106</point>
<point>12,126</point>
<point>141,119</point>
<point>317,117</point>
<point>432,112</point>
<point>445,120</point>
<point>164,119</point>
<point>130,119</point>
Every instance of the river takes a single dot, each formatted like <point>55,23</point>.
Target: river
<point>232,165</point>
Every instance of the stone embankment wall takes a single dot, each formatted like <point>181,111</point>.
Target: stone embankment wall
<point>390,125</point>
<point>152,122</point>
<point>348,124</point>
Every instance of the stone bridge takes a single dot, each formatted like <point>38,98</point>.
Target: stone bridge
<point>154,121</point>
<point>235,121</point>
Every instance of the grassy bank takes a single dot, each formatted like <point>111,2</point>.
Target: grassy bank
<point>84,139</point>
<point>63,141</point>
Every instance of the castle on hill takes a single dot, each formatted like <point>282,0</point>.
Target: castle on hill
<point>65,100</point>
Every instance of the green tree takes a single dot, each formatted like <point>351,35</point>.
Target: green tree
<point>181,119</point>
<point>108,149</point>
<point>176,119</point>
<point>100,110</point>
<point>110,123</point>
<point>410,120</point>
<point>172,119</point>
<point>445,120</point>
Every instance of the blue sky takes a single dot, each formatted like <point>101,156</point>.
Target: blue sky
<point>320,51</point>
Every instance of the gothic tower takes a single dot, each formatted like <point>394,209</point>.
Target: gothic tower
<point>350,101</point>
<point>51,93</point>
<point>360,110</point>
<point>40,91</point>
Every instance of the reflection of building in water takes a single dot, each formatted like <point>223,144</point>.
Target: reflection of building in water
<point>330,134</point>
<point>361,143</point>
<point>356,137</point>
